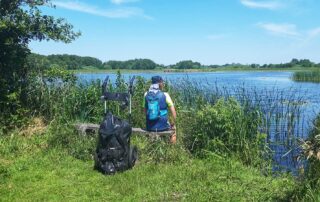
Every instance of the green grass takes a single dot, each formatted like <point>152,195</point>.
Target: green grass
<point>32,170</point>
<point>57,164</point>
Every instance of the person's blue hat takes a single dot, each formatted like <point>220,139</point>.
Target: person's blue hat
<point>156,79</point>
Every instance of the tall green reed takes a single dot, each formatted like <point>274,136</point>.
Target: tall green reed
<point>307,76</point>
<point>270,112</point>
<point>280,112</point>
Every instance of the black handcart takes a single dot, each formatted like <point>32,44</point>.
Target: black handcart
<point>114,152</point>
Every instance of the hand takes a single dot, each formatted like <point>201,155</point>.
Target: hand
<point>173,138</point>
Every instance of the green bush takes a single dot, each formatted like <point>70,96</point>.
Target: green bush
<point>67,101</point>
<point>64,136</point>
<point>225,128</point>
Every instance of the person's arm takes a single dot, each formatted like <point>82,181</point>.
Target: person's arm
<point>173,138</point>
<point>174,114</point>
<point>171,108</point>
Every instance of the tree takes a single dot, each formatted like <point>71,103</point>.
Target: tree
<point>294,61</point>
<point>74,61</point>
<point>20,22</point>
<point>253,65</point>
<point>306,63</point>
<point>188,64</point>
<point>131,64</point>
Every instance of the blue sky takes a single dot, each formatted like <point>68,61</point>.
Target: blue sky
<point>207,31</point>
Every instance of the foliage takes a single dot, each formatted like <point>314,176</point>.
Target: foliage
<point>187,64</point>
<point>67,62</point>
<point>293,63</point>
<point>74,61</point>
<point>40,165</point>
<point>308,190</point>
<point>131,64</point>
<point>20,22</point>
<point>307,76</point>
<point>67,101</point>
<point>57,95</point>
<point>140,87</point>
<point>80,102</point>
<point>225,128</point>
<point>311,153</point>
<point>55,74</point>
<point>65,137</point>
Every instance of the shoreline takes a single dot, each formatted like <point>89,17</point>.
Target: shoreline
<point>100,71</point>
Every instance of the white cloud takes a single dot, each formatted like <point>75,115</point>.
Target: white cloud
<point>280,29</point>
<point>126,12</point>
<point>304,37</point>
<point>314,32</point>
<point>123,1</point>
<point>271,5</point>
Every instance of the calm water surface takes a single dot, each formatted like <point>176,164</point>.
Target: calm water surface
<point>262,80</point>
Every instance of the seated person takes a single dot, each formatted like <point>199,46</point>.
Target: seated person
<point>156,104</point>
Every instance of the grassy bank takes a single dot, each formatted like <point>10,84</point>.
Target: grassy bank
<point>222,152</point>
<point>34,168</point>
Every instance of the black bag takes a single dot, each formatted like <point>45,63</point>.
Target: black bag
<point>114,152</point>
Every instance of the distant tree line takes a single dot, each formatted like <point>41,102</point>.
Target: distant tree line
<point>69,62</point>
<point>74,62</point>
<point>294,63</point>
<point>132,64</point>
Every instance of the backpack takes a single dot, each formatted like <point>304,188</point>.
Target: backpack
<point>153,104</point>
<point>113,152</point>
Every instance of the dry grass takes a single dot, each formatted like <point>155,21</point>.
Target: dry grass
<point>37,126</point>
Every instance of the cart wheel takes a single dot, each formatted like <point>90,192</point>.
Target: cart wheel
<point>133,156</point>
<point>96,162</point>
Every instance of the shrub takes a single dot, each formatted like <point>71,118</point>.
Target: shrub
<point>64,136</point>
<point>225,128</point>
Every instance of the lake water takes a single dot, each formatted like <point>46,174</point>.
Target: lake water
<point>263,80</point>
<point>275,88</point>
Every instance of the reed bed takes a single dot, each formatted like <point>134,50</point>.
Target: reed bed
<point>281,114</point>
<point>269,119</point>
<point>307,76</point>
<point>221,124</point>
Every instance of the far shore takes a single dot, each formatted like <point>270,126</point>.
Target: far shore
<point>222,69</point>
